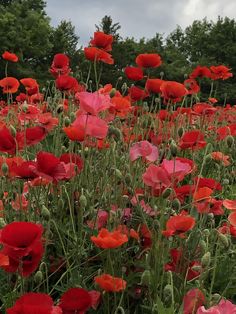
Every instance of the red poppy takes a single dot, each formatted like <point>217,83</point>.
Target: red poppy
<point>136,93</point>
<point>31,303</point>
<point>22,244</point>
<point>193,299</point>
<point>29,83</point>
<point>9,56</point>
<point>230,204</point>
<point>109,283</point>
<point>154,85</point>
<point>202,193</point>
<point>220,72</point>
<point>134,73</point>
<point>51,168</point>
<point>192,139</point>
<point>156,177</point>
<point>232,218</point>
<point>24,170</point>
<point>173,91</point>
<point>102,40</point>
<point>7,141</point>
<point>73,158</point>
<point>30,136</point>
<point>120,106</point>
<point>96,54</point>
<point>10,85</point>
<point>109,240</point>
<point>178,225</point>
<point>148,60</point>
<point>75,300</point>
<point>192,86</point>
<point>67,83</point>
<point>60,65</point>
<point>200,71</point>
<point>48,121</point>
<point>181,266</point>
<point>207,182</point>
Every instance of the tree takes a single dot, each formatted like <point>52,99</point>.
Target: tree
<point>108,27</point>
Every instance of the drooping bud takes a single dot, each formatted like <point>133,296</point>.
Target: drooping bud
<point>173,148</point>
<point>166,193</point>
<point>5,169</point>
<point>38,277</point>
<point>146,278</point>
<point>45,212</point>
<point>66,121</point>
<point>180,131</point>
<point>223,240</point>
<point>229,140</point>
<point>83,201</point>
<point>112,92</point>
<point>176,204</point>
<point>206,259</point>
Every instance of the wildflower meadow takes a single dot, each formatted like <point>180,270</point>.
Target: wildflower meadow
<point>116,198</point>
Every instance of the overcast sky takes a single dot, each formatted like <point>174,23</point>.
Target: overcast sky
<point>138,18</point>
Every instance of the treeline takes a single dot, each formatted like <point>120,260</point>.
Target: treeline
<point>25,30</point>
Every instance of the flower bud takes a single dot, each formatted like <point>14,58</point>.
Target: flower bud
<point>112,92</point>
<point>45,212</point>
<point>202,245</point>
<point>83,201</point>
<point>173,149</point>
<point>72,116</point>
<point>180,131</point>
<point>2,222</point>
<point>229,140</point>
<point>146,278</point>
<point>206,232</point>
<point>118,174</point>
<point>66,121</point>
<point>167,290</point>
<point>38,277</point>
<point>176,204</point>
<point>5,169</point>
<point>166,193</point>
<point>223,240</point>
<point>206,259</point>
<point>128,178</point>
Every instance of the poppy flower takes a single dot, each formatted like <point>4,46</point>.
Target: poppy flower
<point>47,121</point>
<point>75,300</point>
<point>230,204</point>
<point>137,93</point>
<point>96,54</point>
<point>178,225</point>
<point>201,182</point>
<point>134,73</point>
<point>154,85</point>
<point>30,84</point>
<point>219,156</point>
<point>7,141</point>
<point>120,106</point>
<point>9,56</point>
<point>87,125</point>
<point>232,218</point>
<point>192,86</point>
<point>224,306</point>
<point>192,139</point>
<point>148,60</point>
<point>24,170</point>
<point>51,168</point>
<point>93,103</point>
<point>109,240</point>
<point>156,177</point>
<point>173,91</point>
<point>202,193</point>
<point>181,266</point>
<point>23,245</point>
<point>200,71</point>
<point>193,299</point>
<point>176,169</point>
<point>10,85</point>
<point>66,83</point>
<point>220,72</point>
<point>110,284</point>
<point>31,303</point>
<point>60,65</point>
<point>102,41</point>
<point>30,136</point>
<point>145,150</point>
<point>73,158</point>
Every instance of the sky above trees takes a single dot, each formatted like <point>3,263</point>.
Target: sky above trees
<point>137,18</point>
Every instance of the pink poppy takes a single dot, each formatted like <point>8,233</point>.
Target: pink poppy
<point>145,150</point>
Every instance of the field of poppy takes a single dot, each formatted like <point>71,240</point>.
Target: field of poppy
<point>116,199</point>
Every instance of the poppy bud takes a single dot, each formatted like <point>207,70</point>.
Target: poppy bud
<point>45,212</point>
<point>209,148</point>
<point>173,149</point>
<point>72,116</point>
<point>118,174</point>
<point>215,298</point>
<point>128,178</point>
<point>167,291</point>
<point>66,121</point>
<point>206,232</point>
<point>229,140</point>
<point>197,268</point>
<point>206,259</point>
<point>59,109</point>
<point>176,204</point>
<point>202,245</point>
<point>180,131</point>
<point>162,74</point>
<point>38,277</point>
<point>120,310</point>
<point>223,240</point>
<point>60,204</point>
<point>112,92</point>
<point>5,169</point>
<point>64,149</point>
<point>116,133</point>
<point>12,130</point>
<point>146,278</point>
<point>2,222</point>
<point>83,201</point>
<point>225,182</point>
<point>166,193</point>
